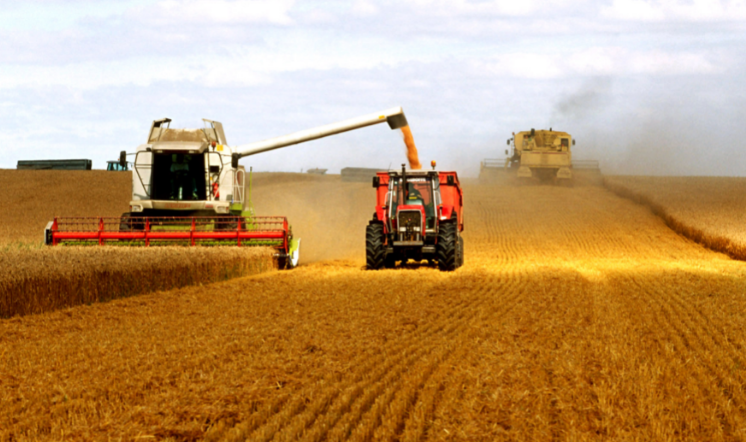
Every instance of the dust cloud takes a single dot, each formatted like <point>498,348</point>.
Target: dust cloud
<point>327,214</point>
<point>645,126</point>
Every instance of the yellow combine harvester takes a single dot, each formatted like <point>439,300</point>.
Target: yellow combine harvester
<point>544,154</point>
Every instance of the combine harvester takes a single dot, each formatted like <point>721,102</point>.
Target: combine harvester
<point>543,154</point>
<point>188,189</point>
<point>419,215</point>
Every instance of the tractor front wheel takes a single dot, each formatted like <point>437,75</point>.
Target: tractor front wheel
<point>446,250</point>
<point>375,249</point>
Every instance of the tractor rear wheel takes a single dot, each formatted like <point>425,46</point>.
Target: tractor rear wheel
<point>375,249</point>
<point>446,250</point>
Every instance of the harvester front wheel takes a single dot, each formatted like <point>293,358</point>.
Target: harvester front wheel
<point>446,250</point>
<point>375,249</point>
<point>129,223</point>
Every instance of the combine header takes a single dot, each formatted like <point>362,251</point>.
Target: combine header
<point>188,189</point>
<point>270,231</point>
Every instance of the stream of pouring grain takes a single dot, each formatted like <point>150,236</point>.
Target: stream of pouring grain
<point>412,156</point>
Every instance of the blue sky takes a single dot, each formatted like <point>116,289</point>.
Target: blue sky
<point>651,87</point>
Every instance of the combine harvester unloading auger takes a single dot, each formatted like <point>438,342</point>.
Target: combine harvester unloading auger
<point>188,189</point>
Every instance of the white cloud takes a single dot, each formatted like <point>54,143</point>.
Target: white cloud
<point>595,61</point>
<point>365,8</point>
<point>216,12</point>
<point>675,10</point>
<point>494,7</point>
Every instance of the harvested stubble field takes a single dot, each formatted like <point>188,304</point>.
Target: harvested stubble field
<point>579,315</point>
<point>709,210</point>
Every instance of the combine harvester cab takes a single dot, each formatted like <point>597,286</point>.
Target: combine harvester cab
<point>418,216</point>
<point>188,189</point>
<point>544,154</point>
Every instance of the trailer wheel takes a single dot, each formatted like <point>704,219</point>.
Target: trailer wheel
<point>375,250</point>
<point>447,248</point>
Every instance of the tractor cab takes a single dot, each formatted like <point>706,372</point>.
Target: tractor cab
<point>418,194</point>
<point>117,166</point>
<point>413,198</point>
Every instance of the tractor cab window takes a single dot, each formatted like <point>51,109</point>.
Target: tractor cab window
<point>419,193</point>
<point>565,143</point>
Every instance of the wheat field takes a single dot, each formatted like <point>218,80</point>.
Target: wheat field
<point>709,210</point>
<point>31,198</point>
<point>578,315</point>
<point>35,278</point>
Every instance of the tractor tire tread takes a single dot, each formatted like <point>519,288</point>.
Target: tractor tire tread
<point>446,250</point>
<point>375,251</point>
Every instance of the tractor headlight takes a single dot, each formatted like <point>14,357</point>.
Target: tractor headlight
<point>136,208</point>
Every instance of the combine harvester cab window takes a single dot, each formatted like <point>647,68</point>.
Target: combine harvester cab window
<point>179,177</point>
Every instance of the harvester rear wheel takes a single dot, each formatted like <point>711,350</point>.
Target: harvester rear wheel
<point>447,248</point>
<point>375,249</point>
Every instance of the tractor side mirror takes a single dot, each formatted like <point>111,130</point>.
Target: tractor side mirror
<point>376,181</point>
<point>234,161</point>
<point>450,179</point>
<point>506,151</point>
<point>214,169</point>
<point>573,141</point>
<point>123,159</point>
<point>508,141</point>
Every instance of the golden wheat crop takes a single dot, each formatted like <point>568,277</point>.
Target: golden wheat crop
<point>35,279</point>
<point>578,315</point>
<point>709,210</point>
<point>50,278</point>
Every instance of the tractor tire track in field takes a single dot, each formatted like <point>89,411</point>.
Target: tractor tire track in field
<point>688,337</point>
<point>385,389</point>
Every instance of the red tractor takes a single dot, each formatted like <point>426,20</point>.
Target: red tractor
<point>419,215</point>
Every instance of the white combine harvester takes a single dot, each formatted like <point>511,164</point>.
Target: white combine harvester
<point>187,187</point>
